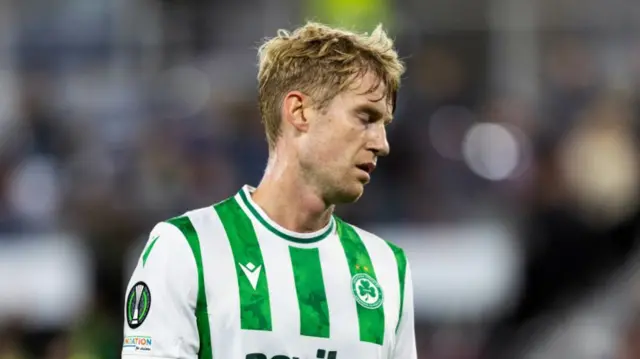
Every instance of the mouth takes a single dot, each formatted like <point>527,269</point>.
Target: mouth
<point>368,167</point>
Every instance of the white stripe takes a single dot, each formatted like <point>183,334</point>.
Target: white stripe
<point>223,299</point>
<point>285,312</point>
<point>343,313</point>
<point>386,269</point>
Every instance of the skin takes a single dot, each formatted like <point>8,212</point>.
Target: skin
<point>313,165</point>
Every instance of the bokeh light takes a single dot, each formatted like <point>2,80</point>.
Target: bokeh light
<point>491,151</point>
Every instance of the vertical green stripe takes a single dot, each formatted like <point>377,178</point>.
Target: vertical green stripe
<point>312,299</point>
<point>255,308</point>
<point>371,321</point>
<point>401,260</point>
<point>202,318</point>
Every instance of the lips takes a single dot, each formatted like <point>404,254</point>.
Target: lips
<point>368,167</point>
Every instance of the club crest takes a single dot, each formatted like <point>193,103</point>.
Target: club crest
<point>367,291</point>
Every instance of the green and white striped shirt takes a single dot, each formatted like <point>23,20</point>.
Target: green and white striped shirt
<point>226,282</point>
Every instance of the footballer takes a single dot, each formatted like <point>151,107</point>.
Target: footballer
<point>271,272</point>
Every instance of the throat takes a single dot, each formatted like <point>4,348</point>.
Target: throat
<point>296,212</point>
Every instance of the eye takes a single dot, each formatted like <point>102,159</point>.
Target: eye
<point>366,117</point>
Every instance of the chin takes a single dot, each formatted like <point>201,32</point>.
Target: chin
<point>348,194</point>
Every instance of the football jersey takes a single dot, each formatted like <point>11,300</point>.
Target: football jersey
<point>226,282</point>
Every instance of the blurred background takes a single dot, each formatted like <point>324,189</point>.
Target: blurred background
<point>512,180</point>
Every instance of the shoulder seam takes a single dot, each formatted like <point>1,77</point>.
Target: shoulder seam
<point>360,229</point>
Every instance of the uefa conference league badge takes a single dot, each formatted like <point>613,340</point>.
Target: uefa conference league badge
<point>138,304</point>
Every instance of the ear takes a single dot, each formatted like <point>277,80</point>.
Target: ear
<point>293,110</point>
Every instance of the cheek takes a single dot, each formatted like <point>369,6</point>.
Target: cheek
<point>334,140</point>
<point>318,148</point>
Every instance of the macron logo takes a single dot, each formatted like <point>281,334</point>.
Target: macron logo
<point>252,272</point>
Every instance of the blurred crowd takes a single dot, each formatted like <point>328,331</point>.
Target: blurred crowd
<point>104,132</point>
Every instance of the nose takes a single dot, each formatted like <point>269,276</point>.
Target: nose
<point>379,144</point>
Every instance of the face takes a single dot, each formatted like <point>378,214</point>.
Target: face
<point>339,151</point>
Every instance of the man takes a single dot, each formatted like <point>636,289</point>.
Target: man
<point>271,273</point>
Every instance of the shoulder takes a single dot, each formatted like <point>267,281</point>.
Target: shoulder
<point>166,259</point>
<point>192,216</point>
<point>165,244</point>
<point>177,234</point>
<point>374,241</point>
<point>190,221</point>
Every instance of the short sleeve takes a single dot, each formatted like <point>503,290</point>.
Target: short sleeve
<point>405,345</point>
<point>160,300</point>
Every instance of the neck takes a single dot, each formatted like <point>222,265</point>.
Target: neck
<point>288,200</point>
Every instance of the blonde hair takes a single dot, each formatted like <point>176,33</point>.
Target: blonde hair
<point>321,62</point>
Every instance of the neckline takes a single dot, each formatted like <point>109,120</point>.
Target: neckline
<point>297,237</point>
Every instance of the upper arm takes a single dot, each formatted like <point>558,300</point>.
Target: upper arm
<point>160,299</point>
<point>405,344</point>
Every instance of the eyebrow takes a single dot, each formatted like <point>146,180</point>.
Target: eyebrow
<point>373,111</point>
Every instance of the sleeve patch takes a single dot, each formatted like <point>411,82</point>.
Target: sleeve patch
<point>138,304</point>
<point>137,343</point>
